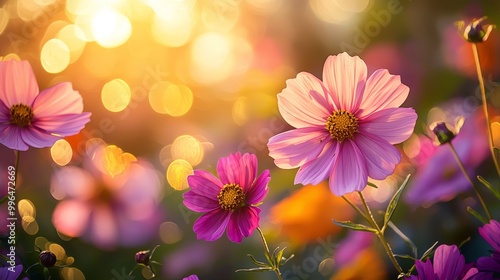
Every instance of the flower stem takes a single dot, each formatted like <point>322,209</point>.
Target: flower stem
<point>268,254</point>
<point>485,105</point>
<point>380,234</point>
<point>16,166</point>
<point>462,168</point>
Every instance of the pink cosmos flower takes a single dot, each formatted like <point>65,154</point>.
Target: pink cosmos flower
<point>345,125</point>
<point>32,118</point>
<point>228,201</point>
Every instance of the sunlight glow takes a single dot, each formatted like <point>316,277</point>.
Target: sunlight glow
<point>177,174</point>
<point>188,148</point>
<point>61,152</point>
<point>116,95</point>
<point>55,56</point>
<point>110,28</point>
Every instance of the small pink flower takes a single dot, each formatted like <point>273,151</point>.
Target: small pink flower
<point>346,125</point>
<point>32,118</point>
<point>228,201</point>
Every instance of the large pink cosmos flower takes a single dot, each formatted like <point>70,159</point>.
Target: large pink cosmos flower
<point>346,125</point>
<point>230,201</point>
<point>32,118</point>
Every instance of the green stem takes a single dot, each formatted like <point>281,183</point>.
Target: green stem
<point>476,189</point>
<point>485,105</point>
<point>360,212</point>
<point>380,234</point>
<point>268,254</point>
<point>16,166</point>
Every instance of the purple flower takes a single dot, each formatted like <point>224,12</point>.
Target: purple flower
<point>438,177</point>
<point>228,201</point>
<point>32,118</point>
<point>448,264</point>
<point>488,266</point>
<point>345,125</point>
<point>191,277</point>
<point>11,272</point>
<point>491,233</point>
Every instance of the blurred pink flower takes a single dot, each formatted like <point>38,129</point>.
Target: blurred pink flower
<point>346,125</point>
<point>228,201</point>
<point>191,277</point>
<point>108,208</point>
<point>438,177</point>
<point>32,118</point>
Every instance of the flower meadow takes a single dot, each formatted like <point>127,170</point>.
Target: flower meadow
<point>249,139</point>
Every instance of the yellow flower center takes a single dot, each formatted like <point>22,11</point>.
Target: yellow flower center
<point>342,125</point>
<point>231,197</point>
<point>21,115</point>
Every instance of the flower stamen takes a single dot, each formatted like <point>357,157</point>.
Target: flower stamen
<point>231,197</point>
<point>21,115</point>
<point>342,125</point>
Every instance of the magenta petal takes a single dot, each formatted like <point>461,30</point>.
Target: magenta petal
<point>242,223</point>
<point>204,183</point>
<point>38,138</point>
<point>296,147</point>
<point>199,203</point>
<point>10,136</point>
<point>344,77</point>
<point>382,91</point>
<point>425,270</point>
<point>317,170</point>
<point>63,125</point>
<point>394,125</point>
<point>491,233</point>
<point>18,83</point>
<point>237,168</point>
<point>302,103</point>
<point>60,99</point>
<point>448,262</point>
<point>381,157</point>
<point>210,226</point>
<point>259,189</point>
<point>349,173</point>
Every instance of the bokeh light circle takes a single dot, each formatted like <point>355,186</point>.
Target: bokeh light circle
<point>55,56</point>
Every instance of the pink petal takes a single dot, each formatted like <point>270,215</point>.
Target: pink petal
<point>60,99</point>
<point>344,77</point>
<point>198,203</point>
<point>64,125</point>
<point>103,226</point>
<point>382,91</point>
<point>381,157</point>
<point>259,189</point>
<point>317,170</point>
<point>70,217</point>
<point>242,223</point>
<point>205,184</point>
<point>18,83</point>
<point>349,173</point>
<point>11,136</point>
<point>302,103</point>
<point>448,262</point>
<point>4,113</point>
<point>38,138</point>
<point>394,125</point>
<point>296,147</point>
<point>210,226</point>
<point>237,168</point>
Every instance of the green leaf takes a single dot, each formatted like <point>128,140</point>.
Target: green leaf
<point>285,260</point>
<point>463,242</point>
<point>256,262</point>
<point>404,256</point>
<point>394,202</point>
<point>372,185</point>
<point>429,251</point>
<point>477,215</point>
<point>257,269</point>
<point>405,238</point>
<point>354,226</point>
<point>489,186</point>
<point>278,256</point>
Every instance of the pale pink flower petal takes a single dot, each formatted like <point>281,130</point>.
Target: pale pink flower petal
<point>18,83</point>
<point>394,125</point>
<point>302,103</point>
<point>382,91</point>
<point>242,223</point>
<point>343,76</point>
<point>38,138</point>
<point>296,147</point>
<point>211,225</point>
<point>349,172</point>
<point>11,137</point>
<point>256,193</point>
<point>381,157</point>
<point>315,171</point>
<point>61,99</point>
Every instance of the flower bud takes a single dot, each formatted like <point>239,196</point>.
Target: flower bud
<point>476,31</point>
<point>444,135</point>
<point>142,257</point>
<point>47,258</point>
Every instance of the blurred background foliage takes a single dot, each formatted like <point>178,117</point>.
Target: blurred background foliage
<point>176,84</point>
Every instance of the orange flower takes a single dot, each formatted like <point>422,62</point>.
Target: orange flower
<point>307,214</point>
<point>367,265</point>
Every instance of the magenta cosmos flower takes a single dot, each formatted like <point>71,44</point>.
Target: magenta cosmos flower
<point>230,201</point>
<point>345,125</point>
<point>32,118</point>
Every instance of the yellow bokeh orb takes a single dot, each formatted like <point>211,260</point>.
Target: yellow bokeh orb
<point>177,173</point>
<point>55,56</point>
<point>61,152</point>
<point>116,95</point>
